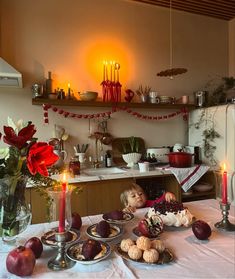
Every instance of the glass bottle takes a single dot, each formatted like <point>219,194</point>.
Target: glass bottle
<point>108,159</point>
<point>74,166</point>
<point>49,84</point>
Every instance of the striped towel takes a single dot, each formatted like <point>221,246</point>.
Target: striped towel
<point>187,177</point>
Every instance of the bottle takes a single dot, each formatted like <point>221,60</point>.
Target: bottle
<point>149,158</point>
<point>74,166</point>
<point>48,84</point>
<point>108,159</point>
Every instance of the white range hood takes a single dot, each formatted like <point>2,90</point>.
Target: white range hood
<point>9,77</point>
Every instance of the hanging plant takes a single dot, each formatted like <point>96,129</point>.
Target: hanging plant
<point>209,134</point>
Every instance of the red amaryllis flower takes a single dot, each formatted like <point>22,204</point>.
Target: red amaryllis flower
<point>40,157</point>
<point>19,140</point>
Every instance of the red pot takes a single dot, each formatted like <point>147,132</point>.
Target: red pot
<point>180,159</point>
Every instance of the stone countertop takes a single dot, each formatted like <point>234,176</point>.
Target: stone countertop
<point>129,173</point>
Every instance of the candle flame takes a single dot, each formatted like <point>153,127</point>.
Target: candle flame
<point>224,167</point>
<point>64,177</point>
<point>68,85</point>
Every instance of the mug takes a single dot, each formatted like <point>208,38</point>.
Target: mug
<point>144,166</point>
<point>81,157</point>
<point>62,157</point>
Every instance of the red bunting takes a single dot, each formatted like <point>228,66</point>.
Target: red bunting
<point>66,114</point>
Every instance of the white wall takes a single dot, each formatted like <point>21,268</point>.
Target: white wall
<point>232,47</point>
<point>71,38</point>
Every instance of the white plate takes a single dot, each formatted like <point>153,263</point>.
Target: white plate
<point>165,257</point>
<point>127,217</point>
<point>74,252</point>
<point>202,187</point>
<point>49,237</point>
<point>116,231</point>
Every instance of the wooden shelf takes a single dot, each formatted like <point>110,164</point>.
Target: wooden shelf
<point>40,101</point>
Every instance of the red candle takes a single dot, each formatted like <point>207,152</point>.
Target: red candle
<point>62,205</point>
<point>224,186</point>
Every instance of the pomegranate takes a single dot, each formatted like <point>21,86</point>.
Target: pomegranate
<point>143,228</point>
<point>20,261</point>
<point>76,221</point>
<point>35,244</point>
<point>201,229</point>
<point>151,227</point>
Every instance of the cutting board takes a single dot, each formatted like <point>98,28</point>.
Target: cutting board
<point>117,149</point>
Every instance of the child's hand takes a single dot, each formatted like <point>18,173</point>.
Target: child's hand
<point>129,209</point>
<point>169,197</point>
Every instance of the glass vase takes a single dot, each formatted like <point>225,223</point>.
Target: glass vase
<point>61,220</point>
<point>15,212</point>
<point>60,208</point>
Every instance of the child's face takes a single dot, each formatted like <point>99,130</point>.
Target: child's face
<point>136,198</point>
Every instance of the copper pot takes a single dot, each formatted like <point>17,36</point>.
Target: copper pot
<point>180,159</point>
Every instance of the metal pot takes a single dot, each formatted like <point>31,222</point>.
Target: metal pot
<point>180,159</point>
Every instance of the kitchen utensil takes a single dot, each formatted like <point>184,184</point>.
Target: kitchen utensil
<point>180,159</point>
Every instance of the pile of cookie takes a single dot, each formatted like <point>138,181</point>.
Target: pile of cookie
<point>144,248</point>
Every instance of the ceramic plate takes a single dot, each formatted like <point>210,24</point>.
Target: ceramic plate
<point>74,252</point>
<point>116,231</point>
<point>127,217</point>
<point>49,237</point>
<point>164,257</point>
<point>137,233</point>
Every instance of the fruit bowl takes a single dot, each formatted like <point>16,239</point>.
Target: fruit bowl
<point>131,158</point>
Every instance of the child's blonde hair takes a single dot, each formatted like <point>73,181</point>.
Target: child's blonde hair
<point>124,195</point>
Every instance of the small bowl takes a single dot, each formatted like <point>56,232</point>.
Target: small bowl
<point>88,96</point>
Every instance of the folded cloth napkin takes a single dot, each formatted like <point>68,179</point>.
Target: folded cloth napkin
<point>187,177</point>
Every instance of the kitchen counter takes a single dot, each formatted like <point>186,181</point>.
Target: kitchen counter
<point>101,189</point>
<point>129,173</point>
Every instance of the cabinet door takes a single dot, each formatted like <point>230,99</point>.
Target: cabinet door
<point>104,196</point>
<point>79,200</point>
<point>153,186</point>
<point>40,208</point>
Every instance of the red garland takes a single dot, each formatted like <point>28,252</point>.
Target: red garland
<point>67,114</point>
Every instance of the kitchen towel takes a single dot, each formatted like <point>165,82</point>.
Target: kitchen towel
<point>187,177</point>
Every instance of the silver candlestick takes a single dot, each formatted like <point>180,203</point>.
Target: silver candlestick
<point>224,224</point>
<point>61,260</point>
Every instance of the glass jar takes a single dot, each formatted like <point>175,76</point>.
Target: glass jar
<point>74,166</point>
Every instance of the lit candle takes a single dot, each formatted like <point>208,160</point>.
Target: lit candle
<point>106,70</point>
<point>224,186</point>
<point>114,71</point>
<point>62,205</point>
<point>103,70</point>
<point>68,90</point>
<point>111,70</point>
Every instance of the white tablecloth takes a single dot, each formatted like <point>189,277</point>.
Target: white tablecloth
<point>213,258</point>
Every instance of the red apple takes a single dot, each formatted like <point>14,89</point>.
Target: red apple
<point>35,244</point>
<point>21,261</point>
<point>76,221</point>
<point>201,229</point>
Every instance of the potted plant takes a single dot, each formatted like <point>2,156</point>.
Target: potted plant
<point>131,151</point>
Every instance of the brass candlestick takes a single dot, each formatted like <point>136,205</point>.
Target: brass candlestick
<point>61,260</point>
<point>224,224</point>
